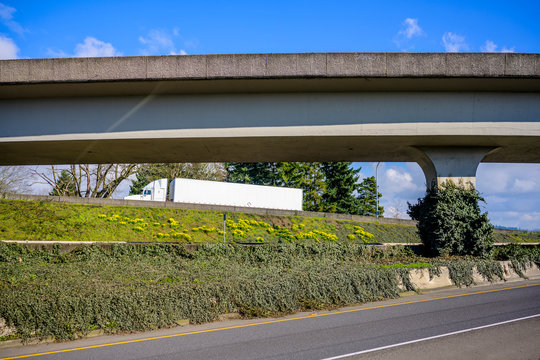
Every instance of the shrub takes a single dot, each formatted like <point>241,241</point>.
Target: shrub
<point>238,233</point>
<point>450,222</point>
<point>362,233</point>
<point>138,287</point>
<point>181,236</point>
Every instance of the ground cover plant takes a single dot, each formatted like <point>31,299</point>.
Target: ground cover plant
<point>137,287</point>
<point>145,286</point>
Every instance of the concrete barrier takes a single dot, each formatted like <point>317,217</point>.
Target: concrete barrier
<point>421,279</point>
<point>207,207</point>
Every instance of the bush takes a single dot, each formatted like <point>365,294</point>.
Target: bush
<point>138,287</point>
<point>450,222</point>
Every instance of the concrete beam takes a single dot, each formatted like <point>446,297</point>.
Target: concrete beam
<point>144,75</point>
<point>295,65</point>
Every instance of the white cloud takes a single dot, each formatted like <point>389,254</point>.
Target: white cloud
<point>512,193</point>
<point>6,12</point>
<point>92,47</point>
<point>8,49</point>
<point>508,50</point>
<point>454,43</point>
<point>490,46</point>
<point>6,18</point>
<point>398,185</point>
<point>525,185</point>
<point>411,28</point>
<point>399,180</point>
<point>505,179</point>
<point>158,42</point>
<point>181,52</point>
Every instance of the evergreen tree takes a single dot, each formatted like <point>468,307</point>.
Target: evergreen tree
<point>65,185</point>
<point>263,173</point>
<point>307,176</point>
<point>367,198</point>
<point>341,183</point>
<point>450,222</point>
<point>142,179</point>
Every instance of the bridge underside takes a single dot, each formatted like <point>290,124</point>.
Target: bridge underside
<point>448,112</point>
<point>256,149</point>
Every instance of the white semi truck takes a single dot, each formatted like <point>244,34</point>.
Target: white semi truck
<point>222,193</point>
<point>154,191</point>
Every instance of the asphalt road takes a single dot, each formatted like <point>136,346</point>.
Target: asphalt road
<point>345,331</point>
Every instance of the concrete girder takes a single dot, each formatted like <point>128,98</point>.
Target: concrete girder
<point>456,164</point>
<point>270,107</point>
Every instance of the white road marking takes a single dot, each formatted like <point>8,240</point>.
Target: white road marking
<point>429,338</point>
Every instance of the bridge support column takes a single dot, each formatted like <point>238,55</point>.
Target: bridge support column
<point>457,164</point>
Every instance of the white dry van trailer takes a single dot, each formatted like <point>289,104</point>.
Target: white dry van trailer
<point>223,193</point>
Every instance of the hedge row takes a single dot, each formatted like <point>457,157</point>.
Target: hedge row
<point>136,287</point>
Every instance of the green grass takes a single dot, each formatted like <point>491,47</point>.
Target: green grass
<point>44,220</point>
<point>518,236</point>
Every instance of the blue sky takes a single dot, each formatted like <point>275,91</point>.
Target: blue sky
<point>44,29</point>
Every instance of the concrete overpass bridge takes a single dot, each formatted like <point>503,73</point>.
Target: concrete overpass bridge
<point>446,111</point>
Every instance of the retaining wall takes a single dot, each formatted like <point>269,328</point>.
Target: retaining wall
<point>421,280</point>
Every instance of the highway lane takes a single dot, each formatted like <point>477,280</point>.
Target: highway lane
<point>316,335</point>
<point>517,340</point>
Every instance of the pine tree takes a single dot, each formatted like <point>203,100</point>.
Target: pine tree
<point>263,173</point>
<point>367,198</point>
<point>341,183</point>
<point>65,185</point>
<point>307,176</point>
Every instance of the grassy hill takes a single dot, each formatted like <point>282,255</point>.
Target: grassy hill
<point>45,220</point>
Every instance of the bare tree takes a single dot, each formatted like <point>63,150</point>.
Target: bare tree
<point>398,211</point>
<point>87,180</point>
<point>201,171</point>
<point>15,179</point>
